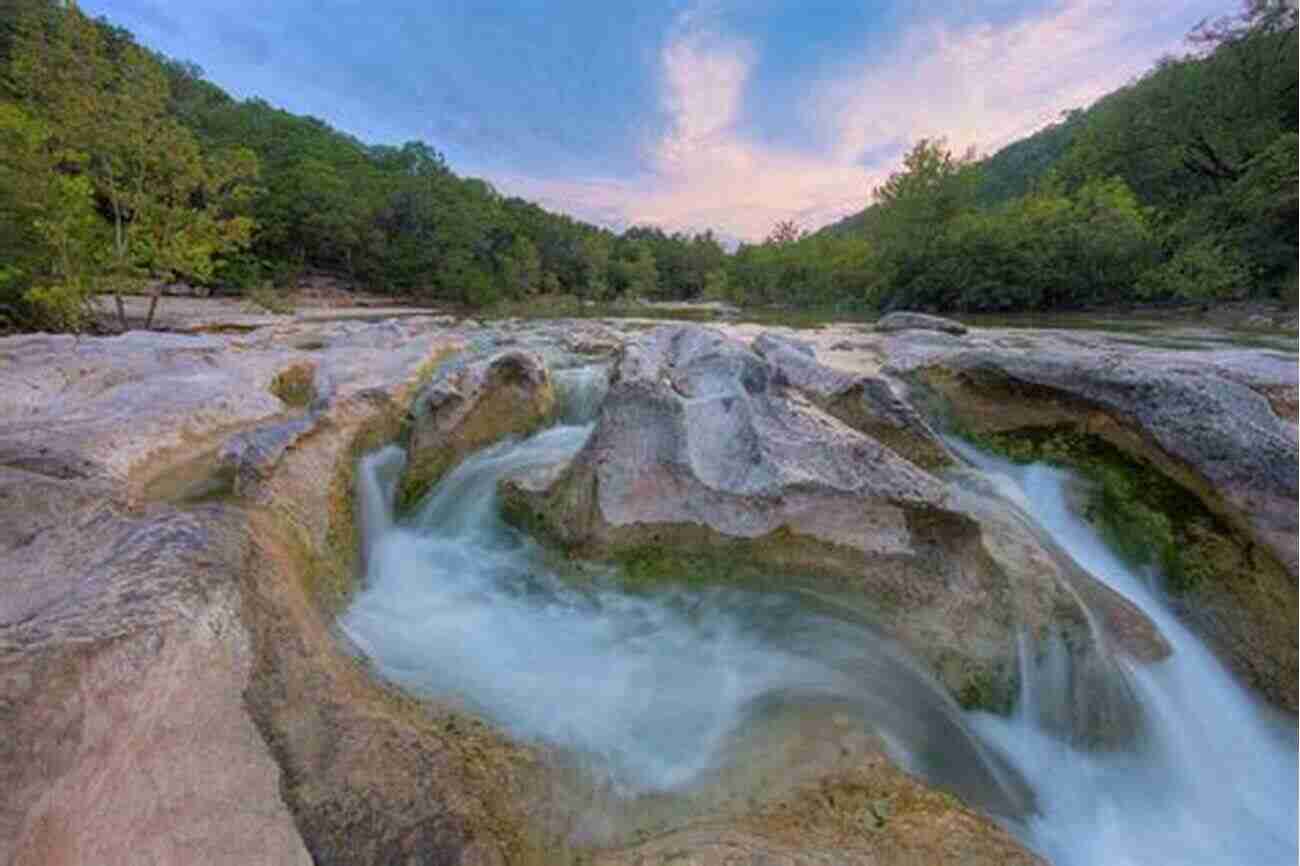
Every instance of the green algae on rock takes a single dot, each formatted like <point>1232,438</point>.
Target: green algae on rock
<point>702,467</point>
<point>1219,578</point>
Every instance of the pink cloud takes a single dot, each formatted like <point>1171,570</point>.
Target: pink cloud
<point>981,86</point>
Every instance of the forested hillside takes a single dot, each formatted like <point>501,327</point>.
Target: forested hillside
<point>1181,185</point>
<point>121,169</point>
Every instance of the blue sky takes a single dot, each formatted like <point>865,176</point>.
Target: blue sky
<point>730,114</point>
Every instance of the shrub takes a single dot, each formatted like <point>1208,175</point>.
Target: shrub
<point>266,298</point>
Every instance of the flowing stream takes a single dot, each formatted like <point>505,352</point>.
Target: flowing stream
<point>1212,778</point>
<point>653,691</point>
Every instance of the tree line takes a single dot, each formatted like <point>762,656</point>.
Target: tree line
<point>121,169</point>
<point>1180,186</point>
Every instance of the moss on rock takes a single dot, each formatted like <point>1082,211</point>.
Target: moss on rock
<point>295,385</point>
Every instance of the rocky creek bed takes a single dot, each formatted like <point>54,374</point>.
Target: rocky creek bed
<point>181,531</point>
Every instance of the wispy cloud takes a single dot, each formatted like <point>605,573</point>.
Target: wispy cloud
<point>980,86</point>
<point>703,171</point>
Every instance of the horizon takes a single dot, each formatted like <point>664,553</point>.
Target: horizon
<point>686,115</point>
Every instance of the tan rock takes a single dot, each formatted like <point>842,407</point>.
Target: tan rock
<point>469,407</point>
<point>696,450</point>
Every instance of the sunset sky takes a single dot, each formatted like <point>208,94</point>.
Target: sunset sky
<point>730,115</point>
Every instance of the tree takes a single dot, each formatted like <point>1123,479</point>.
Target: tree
<point>593,267</point>
<point>785,232</point>
<point>108,100</point>
<point>521,268</point>
<point>50,235</point>
<point>914,208</point>
<point>633,272</point>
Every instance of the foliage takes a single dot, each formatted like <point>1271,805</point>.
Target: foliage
<point>1201,270</point>
<point>267,299</point>
<point>119,167</point>
<point>91,112</point>
<point>1180,186</point>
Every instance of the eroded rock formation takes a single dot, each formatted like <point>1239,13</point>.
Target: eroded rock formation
<point>699,446</point>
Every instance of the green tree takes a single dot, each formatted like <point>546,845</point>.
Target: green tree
<point>593,267</point>
<point>633,273</point>
<point>521,268</point>
<point>108,99</point>
<point>50,234</point>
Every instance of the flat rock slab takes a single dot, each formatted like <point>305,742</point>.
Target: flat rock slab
<point>124,653</point>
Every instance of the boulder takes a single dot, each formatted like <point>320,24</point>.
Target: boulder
<point>905,321</point>
<point>469,406</point>
<point>698,449</point>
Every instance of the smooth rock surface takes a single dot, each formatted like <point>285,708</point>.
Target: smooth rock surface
<point>867,403</point>
<point>127,648</point>
<point>697,448</point>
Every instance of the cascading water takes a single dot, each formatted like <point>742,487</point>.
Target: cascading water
<point>654,690</point>
<point>1210,780</point>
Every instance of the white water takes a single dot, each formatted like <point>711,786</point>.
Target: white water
<point>1211,781</point>
<point>651,689</point>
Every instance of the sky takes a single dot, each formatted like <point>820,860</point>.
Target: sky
<point>685,114</point>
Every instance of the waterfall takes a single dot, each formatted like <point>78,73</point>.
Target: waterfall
<point>655,689</point>
<point>1210,780</point>
<point>580,391</point>
<point>651,687</point>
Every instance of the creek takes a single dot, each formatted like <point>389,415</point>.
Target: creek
<point>657,692</point>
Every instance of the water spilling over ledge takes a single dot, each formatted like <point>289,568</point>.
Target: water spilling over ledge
<point>136,616</point>
<point>1211,780</point>
<point>651,687</point>
<point>656,692</point>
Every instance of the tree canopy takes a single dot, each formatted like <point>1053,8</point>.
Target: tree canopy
<point>122,169</point>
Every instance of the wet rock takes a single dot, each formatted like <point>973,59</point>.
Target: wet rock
<point>372,776</point>
<point>697,447</point>
<point>1201,427</point>
<point>470,406</point>
<point>904,321</point>
<point>866,812</point>
<point>1209,421</point>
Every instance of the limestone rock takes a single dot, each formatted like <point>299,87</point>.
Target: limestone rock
<point>871,814</point>
<point>1217,430</point>
<point>696,447</point>
<point>122,662</point>
<point>470,406</point>
<point>134,672</point>
<point>904,321</point>
<point>866,403</point>
<point>1214,421</point>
